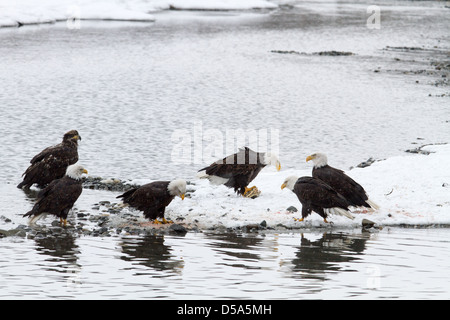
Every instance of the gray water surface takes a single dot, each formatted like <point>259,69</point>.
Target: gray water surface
<point>340,264</point>
<point>128,87</point>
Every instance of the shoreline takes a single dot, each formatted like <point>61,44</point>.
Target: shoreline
<point>106,218</point>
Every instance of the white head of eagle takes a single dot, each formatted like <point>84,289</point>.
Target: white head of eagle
<point>271,158</point>
<point>319,159</point>
<point>289,182</point>
<point>177,188</point>
<point>75,171</point>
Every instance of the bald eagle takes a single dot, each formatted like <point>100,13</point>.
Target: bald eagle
<point>239,169</point>
<point>339,181</point>
<point>315,195</point>
<point>154,197</point>
<point>52,162</point>
<point>59,196</point>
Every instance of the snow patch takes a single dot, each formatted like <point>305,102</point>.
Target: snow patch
<point>412,189</point>
<point>22,12</point>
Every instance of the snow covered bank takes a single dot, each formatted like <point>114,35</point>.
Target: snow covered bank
<point>413,189</point>
<point>22,12</point>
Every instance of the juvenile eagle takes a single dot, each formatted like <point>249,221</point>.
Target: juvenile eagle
<point>315,195</point>
<point>339,181</point>
<point>59,196</point>
<point>239,169</point>
<point>154,197</point>
<point>52,162</point>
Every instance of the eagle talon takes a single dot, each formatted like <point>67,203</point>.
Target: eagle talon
<point>252,192</point>
<point>156,221</point>
<point>164,221</point>
<point>299,220</point>
<point>63,222</point>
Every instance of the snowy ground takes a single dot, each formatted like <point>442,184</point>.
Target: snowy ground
<point>413,189</point>
<point>14,13</point>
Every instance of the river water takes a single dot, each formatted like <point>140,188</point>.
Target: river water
<point>341,264</point>
<point>148,97</point>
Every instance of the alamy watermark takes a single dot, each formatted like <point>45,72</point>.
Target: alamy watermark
<point>199,145</point>
<point>374,20</point>
<point>373,280</point>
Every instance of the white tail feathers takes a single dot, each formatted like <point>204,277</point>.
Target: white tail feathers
<point>202,174</point>
<point>372,204</point>
<point>341,212</point>
<point>213,179</point>
<point>35,218</point>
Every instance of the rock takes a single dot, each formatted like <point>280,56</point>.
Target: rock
<point>177,228</point>
<point>251,227</point>
<point>55,223</point>
<point>5,219</point>
<point>418,151</point>
<point>334,53</point>
<point>286,52</point>
<point>366,163</point>
<point>366,223</point>
<point>292,209</point>
<point>18,232</point>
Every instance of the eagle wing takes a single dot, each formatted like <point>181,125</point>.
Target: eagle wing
<point>59,195</point>
<point>318,193</point>
<point>342,183</point>
<point>45,153</point>
<point>50,164</point>
<point>151,198</point>
<point>239,168</point>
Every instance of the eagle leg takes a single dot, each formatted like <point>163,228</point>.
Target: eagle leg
<point>325,220</point>
<point>252,192</point>
<point>164,221</point>
<point>156,221</point>
<point>63,222</point>
<point>249,189</point>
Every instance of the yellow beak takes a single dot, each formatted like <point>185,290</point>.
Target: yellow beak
<point>85,171</point>
<point>278,167</point>
<point>182,196</point>
<point>283,186</point>
<point>308,158</point>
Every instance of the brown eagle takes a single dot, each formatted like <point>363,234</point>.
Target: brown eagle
<point>239,169</point>
<point>154,197</point>
<point>339,181</point>
<point>315,195</point>
<point>52,162</point>
<point>59,196</point>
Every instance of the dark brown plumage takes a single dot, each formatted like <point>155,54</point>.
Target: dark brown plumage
<point>339,181</point>
<point>153,198</point>
<point>52,162</point>
<point>59,196</point>
<point>317,196</point>
<point>238,170</point>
